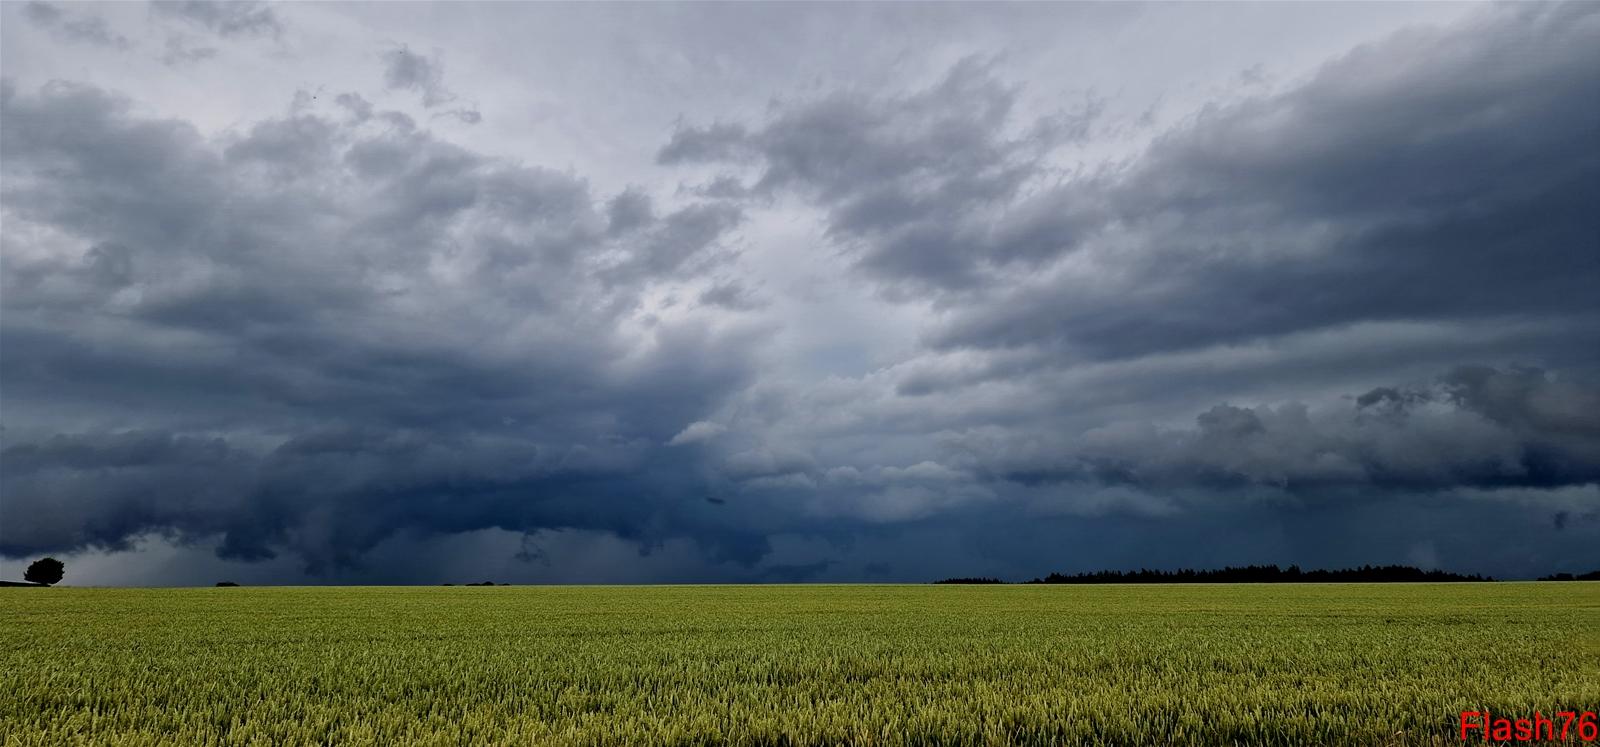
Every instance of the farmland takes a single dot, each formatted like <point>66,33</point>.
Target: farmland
<point>1218,664</point>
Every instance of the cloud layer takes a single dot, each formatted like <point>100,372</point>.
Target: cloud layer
<point>950,320</point>
<point>407,319</point>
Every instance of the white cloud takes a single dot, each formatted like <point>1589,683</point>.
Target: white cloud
<point>697,432</point>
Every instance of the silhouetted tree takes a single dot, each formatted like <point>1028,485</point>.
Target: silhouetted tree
<point>226,583</point>
<point>45,571</point>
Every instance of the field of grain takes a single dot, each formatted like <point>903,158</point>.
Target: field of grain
<point>1271,664</point>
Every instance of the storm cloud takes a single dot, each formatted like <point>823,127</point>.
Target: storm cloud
<point>662,305</point>
<point>1472,428</point>
<point>1458,186</point>
<point>915,183</point>
<point>1440,174</point>
<point>405,319</point>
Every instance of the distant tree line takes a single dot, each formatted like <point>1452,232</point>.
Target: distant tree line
<point>1590,576</point>
<point>1262,574</point>
<point>1249,574</point>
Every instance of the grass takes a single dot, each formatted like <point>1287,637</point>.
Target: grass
<point>1278,664</point>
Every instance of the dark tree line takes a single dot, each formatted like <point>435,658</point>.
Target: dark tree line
<point>1262,574</point>
<point>1590,576</point>
<point>1250,574</point>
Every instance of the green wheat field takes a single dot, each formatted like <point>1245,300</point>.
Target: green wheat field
<point>790,665</point>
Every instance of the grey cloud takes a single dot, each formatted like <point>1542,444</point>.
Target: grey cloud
<point>913,183</point>
<point>70,492</point>
<point>298,144</point>
<point>405,70</point>
<point>327,496</point>
<point>717,142</point>
<point>359,107</point>
<point>722,187</point>
<point>768,462</point>
<point>333,332</point>
<point>675,239</point>
<point>180,52</point>
<point>1526,399</point>
<point>629,210</point>
<point>1473,428</point>
<point>73,26</point>
<point>111,264</point>
<point>731,295</point>
<point>1440,174</point>
<point>232,18</point>
<point>465,116</point>
<point>696,432</point>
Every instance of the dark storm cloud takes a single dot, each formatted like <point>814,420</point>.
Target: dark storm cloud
<point>920,184</point>
<point>1475,427</point>
<point>333,337</point>
<point>330,496</point>
<point>68,492</point>
<point>1439,174</point>
<point>332,332</point>
<point>1438,180</point>
<point>73,26</point>
<point>1432,176</point>
<point>232,18</point>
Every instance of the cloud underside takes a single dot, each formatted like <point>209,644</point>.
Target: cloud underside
<point>1439,175</point>
<point>334,329</point>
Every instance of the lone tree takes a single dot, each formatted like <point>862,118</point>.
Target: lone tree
<point>45,571</point>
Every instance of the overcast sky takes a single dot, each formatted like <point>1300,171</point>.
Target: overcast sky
<point>393,293</point>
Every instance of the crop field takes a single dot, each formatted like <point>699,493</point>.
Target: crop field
<point>1203,664</point>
